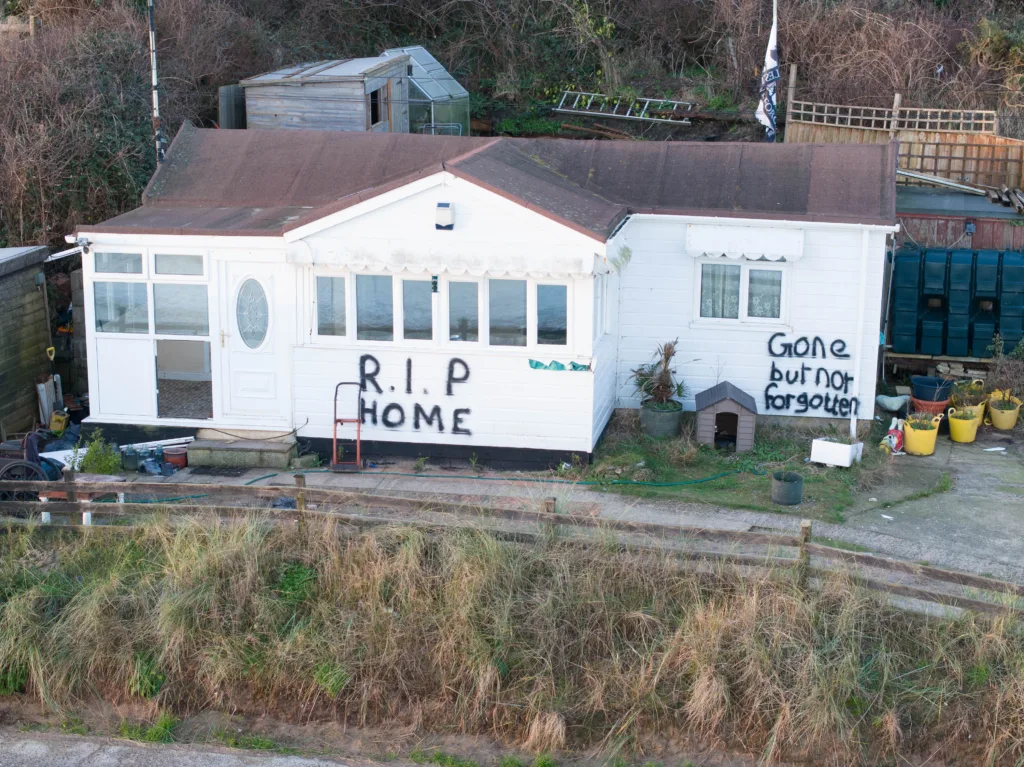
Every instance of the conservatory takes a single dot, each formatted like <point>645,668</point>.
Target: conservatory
<point>438,104</point>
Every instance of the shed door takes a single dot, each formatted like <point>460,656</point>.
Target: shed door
<point>254,345</point>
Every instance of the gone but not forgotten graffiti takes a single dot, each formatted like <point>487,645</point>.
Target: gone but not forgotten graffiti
<point>821,389</point>
<point>394,416</point>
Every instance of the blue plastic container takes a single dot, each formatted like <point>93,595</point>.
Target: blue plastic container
<point>931,388</point>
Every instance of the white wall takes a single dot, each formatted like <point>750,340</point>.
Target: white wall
<point>502,403</point>
<point>658,303</point>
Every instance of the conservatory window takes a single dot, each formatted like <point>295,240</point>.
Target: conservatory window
<point>463,312</point>
<point>330,306</point>
<point>742,292</point>
<point>507,303</point>
<point>119,263</point>
<point>552,314</point>
<point>181,310</point>
<point>375,319</point>
<point>121,307</point>
<point>165,263</point>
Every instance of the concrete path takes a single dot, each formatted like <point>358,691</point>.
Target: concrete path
<point>45,750</point>
<point>978,526</point>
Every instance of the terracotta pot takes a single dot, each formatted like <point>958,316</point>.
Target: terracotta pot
<point>177,456</point>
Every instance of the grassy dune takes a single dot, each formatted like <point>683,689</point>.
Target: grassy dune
<point>543,646</point>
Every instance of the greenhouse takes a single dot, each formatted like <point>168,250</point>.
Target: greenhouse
<point>438,104</point>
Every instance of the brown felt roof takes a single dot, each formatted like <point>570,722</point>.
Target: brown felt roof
<point>253,182</point>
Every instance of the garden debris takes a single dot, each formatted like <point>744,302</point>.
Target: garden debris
<point>886,516</point>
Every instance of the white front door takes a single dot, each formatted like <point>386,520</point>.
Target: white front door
<point>255,331</point>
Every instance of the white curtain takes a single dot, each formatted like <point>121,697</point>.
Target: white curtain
<point>720,291</point>
<point>765,299</point>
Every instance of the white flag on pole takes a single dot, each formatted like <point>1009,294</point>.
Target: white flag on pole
<point>770,78</point>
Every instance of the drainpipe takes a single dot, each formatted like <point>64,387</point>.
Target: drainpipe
<point>858,357</point>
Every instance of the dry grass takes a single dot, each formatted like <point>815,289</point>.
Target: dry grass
<point>545,646</point>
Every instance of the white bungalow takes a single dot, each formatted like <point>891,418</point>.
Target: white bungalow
<point>489,295</point>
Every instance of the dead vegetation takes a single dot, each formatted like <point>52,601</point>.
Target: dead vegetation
<point>548,646</point>
<point>75,139</point>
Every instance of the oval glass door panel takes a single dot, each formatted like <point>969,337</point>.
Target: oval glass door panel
<point>252,314</point>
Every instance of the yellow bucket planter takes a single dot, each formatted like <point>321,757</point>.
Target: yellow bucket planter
<point>921,440</point>
<point>1003,418</point>
<point>963,424</point>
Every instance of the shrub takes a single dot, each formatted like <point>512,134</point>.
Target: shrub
<point>98,457</point>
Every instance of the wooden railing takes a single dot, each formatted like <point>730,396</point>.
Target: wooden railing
<point>919,582</point>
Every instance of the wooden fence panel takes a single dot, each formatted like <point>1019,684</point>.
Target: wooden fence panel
<point>972,158</point>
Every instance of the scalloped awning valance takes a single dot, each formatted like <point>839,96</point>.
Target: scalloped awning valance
<point>517,265</point>
<point>754,243</point>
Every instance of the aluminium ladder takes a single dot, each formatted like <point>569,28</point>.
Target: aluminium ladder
<point>643,109</point>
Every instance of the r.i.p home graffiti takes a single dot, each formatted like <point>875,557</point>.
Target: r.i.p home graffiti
<point>415,415</point>
<point>810,377</point>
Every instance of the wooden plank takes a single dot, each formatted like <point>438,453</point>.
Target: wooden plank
<point>321,495</point>
<point>936,597</point>
<point>910,568</point>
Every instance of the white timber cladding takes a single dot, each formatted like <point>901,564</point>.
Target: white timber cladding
<point>621,299</point>
<point>800,364</point>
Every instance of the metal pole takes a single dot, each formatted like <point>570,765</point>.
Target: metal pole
<point>158,136</point>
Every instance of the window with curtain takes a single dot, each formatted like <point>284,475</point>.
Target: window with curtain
<point>720,291</point>
<point>742,292</point>
<point>764,293</point>
<point>330,306</point>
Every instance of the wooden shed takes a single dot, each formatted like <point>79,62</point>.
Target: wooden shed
<point>726,413</point>
<point>368,94</point>
<point>24,335</point>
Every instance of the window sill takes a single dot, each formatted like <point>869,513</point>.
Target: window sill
<point>706,324</point>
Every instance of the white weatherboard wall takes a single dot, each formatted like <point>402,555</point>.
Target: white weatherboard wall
<point>659,301</point>
<point>503,402</point>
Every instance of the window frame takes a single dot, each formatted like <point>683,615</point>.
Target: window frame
<point>383,105</point>
<point>398,309</point>
<point>532,287</point>
<point>150,278</point>
<point>440,313</point>
<point>332,338</point>
<point>482,313</point>
<point>154,275</point>
<point>745,266</point>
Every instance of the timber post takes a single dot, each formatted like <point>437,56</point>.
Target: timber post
<point>791,92</point>
<point>895,119</point>
<point>804,559</point>
<point>300,502</point>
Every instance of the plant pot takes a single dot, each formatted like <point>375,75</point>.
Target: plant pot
<point>931,388</point>
<point>928,406</point>
<point>962,429</point>
<point>178,456</point>
<point>661,423</point>
<point>836,453</point>
<point>787,488</point>
<point>921,441</point>
<point>1004,420</point>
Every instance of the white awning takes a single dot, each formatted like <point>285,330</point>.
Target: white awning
<point>754,243</point>
<point>495,264</point>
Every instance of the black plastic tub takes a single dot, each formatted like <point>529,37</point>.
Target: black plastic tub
<point>787,488</point>
<point>931,388</point>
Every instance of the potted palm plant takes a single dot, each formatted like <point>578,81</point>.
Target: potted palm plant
<point>660,409</point>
